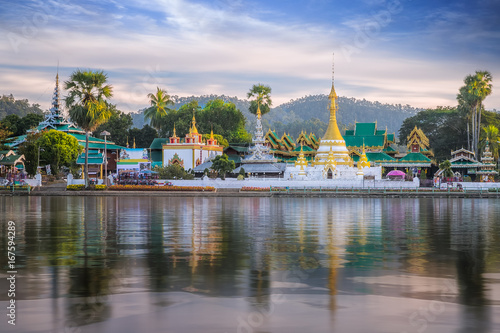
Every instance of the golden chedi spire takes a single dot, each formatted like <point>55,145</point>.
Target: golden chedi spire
<point>333,132</point>
<point>259,114</point>
<point>194,130</point>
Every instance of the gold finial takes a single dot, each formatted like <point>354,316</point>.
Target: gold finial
<point>212,133</point>
<point>134,142</point>
<point>174,131</point>
<point>127,141</point>
<point>333,132</point>
<point>194,129</point>
<point>259,114</point>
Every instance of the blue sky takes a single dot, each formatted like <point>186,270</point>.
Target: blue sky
<point>413,52</point>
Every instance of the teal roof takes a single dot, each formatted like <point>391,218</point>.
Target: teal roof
<point>349,132</point>
<point>239,149</point>
<point>235,158</point>
<point>389,149</point>
<point>364,129</point>
<point>156,156</point>
<point>415,158</point>
<point>109,146</point>
<point>379,157</point>
<point>158,143</point>
<point>369,141</point>
<point>11,159</point>
<point>304,148</point>
<point>94,158</point>
<point>391,137</point>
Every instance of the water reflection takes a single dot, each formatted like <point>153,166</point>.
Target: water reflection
<point>242,258</point>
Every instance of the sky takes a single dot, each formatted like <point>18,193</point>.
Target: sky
<point>414,52</point>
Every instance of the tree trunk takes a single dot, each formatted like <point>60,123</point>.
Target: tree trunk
<point>468,136</point>
<point>86,170</point>
<point>478,129</point>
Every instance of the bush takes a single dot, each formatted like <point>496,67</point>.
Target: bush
<point>79,187</point>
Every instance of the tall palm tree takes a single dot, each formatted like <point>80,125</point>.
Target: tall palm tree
<point>466,107</point>
<point>262,98</point>
<point>491,135</point>
<point>159,107</point>
<point>87,104</point>
<point>479,86</point>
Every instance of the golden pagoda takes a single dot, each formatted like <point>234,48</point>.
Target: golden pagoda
<point>333,140</point>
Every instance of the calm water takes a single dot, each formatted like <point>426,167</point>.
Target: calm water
<point>105,264</point>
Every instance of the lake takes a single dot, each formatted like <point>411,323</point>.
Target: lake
<point>162,264</point>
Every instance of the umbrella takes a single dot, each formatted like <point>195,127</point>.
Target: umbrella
<point>148,171</point>
<point>396,173</point>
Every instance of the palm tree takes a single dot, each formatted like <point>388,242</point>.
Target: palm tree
<point>159,107</point>
<point>262,98</point>
<point>87,104</point>
<point>479,86</point>
<point>490,135</point>
<point>446,167</point>
<point>465,108</point>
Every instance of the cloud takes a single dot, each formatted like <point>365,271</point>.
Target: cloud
<point>224,47</point>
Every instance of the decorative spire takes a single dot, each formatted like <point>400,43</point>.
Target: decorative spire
<point>194,130</point>
<point>333,132</point>
<point>174,136</point>
<point>134,143</point>
<point>212,134</point>
<point>127,142</point>
<point>259,114</point>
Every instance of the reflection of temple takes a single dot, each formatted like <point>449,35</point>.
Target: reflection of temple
<point>191,151</point>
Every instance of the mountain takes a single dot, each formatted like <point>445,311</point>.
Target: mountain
<point>310,113</point>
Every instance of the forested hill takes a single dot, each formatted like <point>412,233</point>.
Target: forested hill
<point>311,114</point>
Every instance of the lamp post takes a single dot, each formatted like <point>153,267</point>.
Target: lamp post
<point>105,133</point>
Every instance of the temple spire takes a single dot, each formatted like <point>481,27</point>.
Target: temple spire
<point>333,132</point>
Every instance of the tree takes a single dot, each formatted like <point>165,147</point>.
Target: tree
<point>29,148</point>
<point>21,107</point>
<point>143,137</point>
<point>262,98</point>
<point>59,149</point>
<point>159,107</point>
<point>445,128</point>
<point>87,104</point>
<point>173,171</point>
<point>222,165</point>
<point>117,125</point>
<point>446,167</point>
<point>477,88</point>
<point>491,136</point>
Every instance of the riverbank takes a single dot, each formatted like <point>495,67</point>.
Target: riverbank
<point>305,193</point>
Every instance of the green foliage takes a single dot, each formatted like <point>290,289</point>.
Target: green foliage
<point>220,139</point>
<point>491,136</point>
<point>143,137</point>
<point>262,98</point>
<point>445,128</point>
<point>224,118</point>
<point>446,167</point>
<point>59,149</point>
<point>9,105</point>
<point>222,165</point>
<point>29,148</point>
<point>159,107</point>
<point>423,174</point>
<point>242,172</point>
<point>19,126</point>
<point>173,171</point>
<point>117,125</point>
<point>87,103</point>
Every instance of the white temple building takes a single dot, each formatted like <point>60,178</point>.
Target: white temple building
<point>332,161</point>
